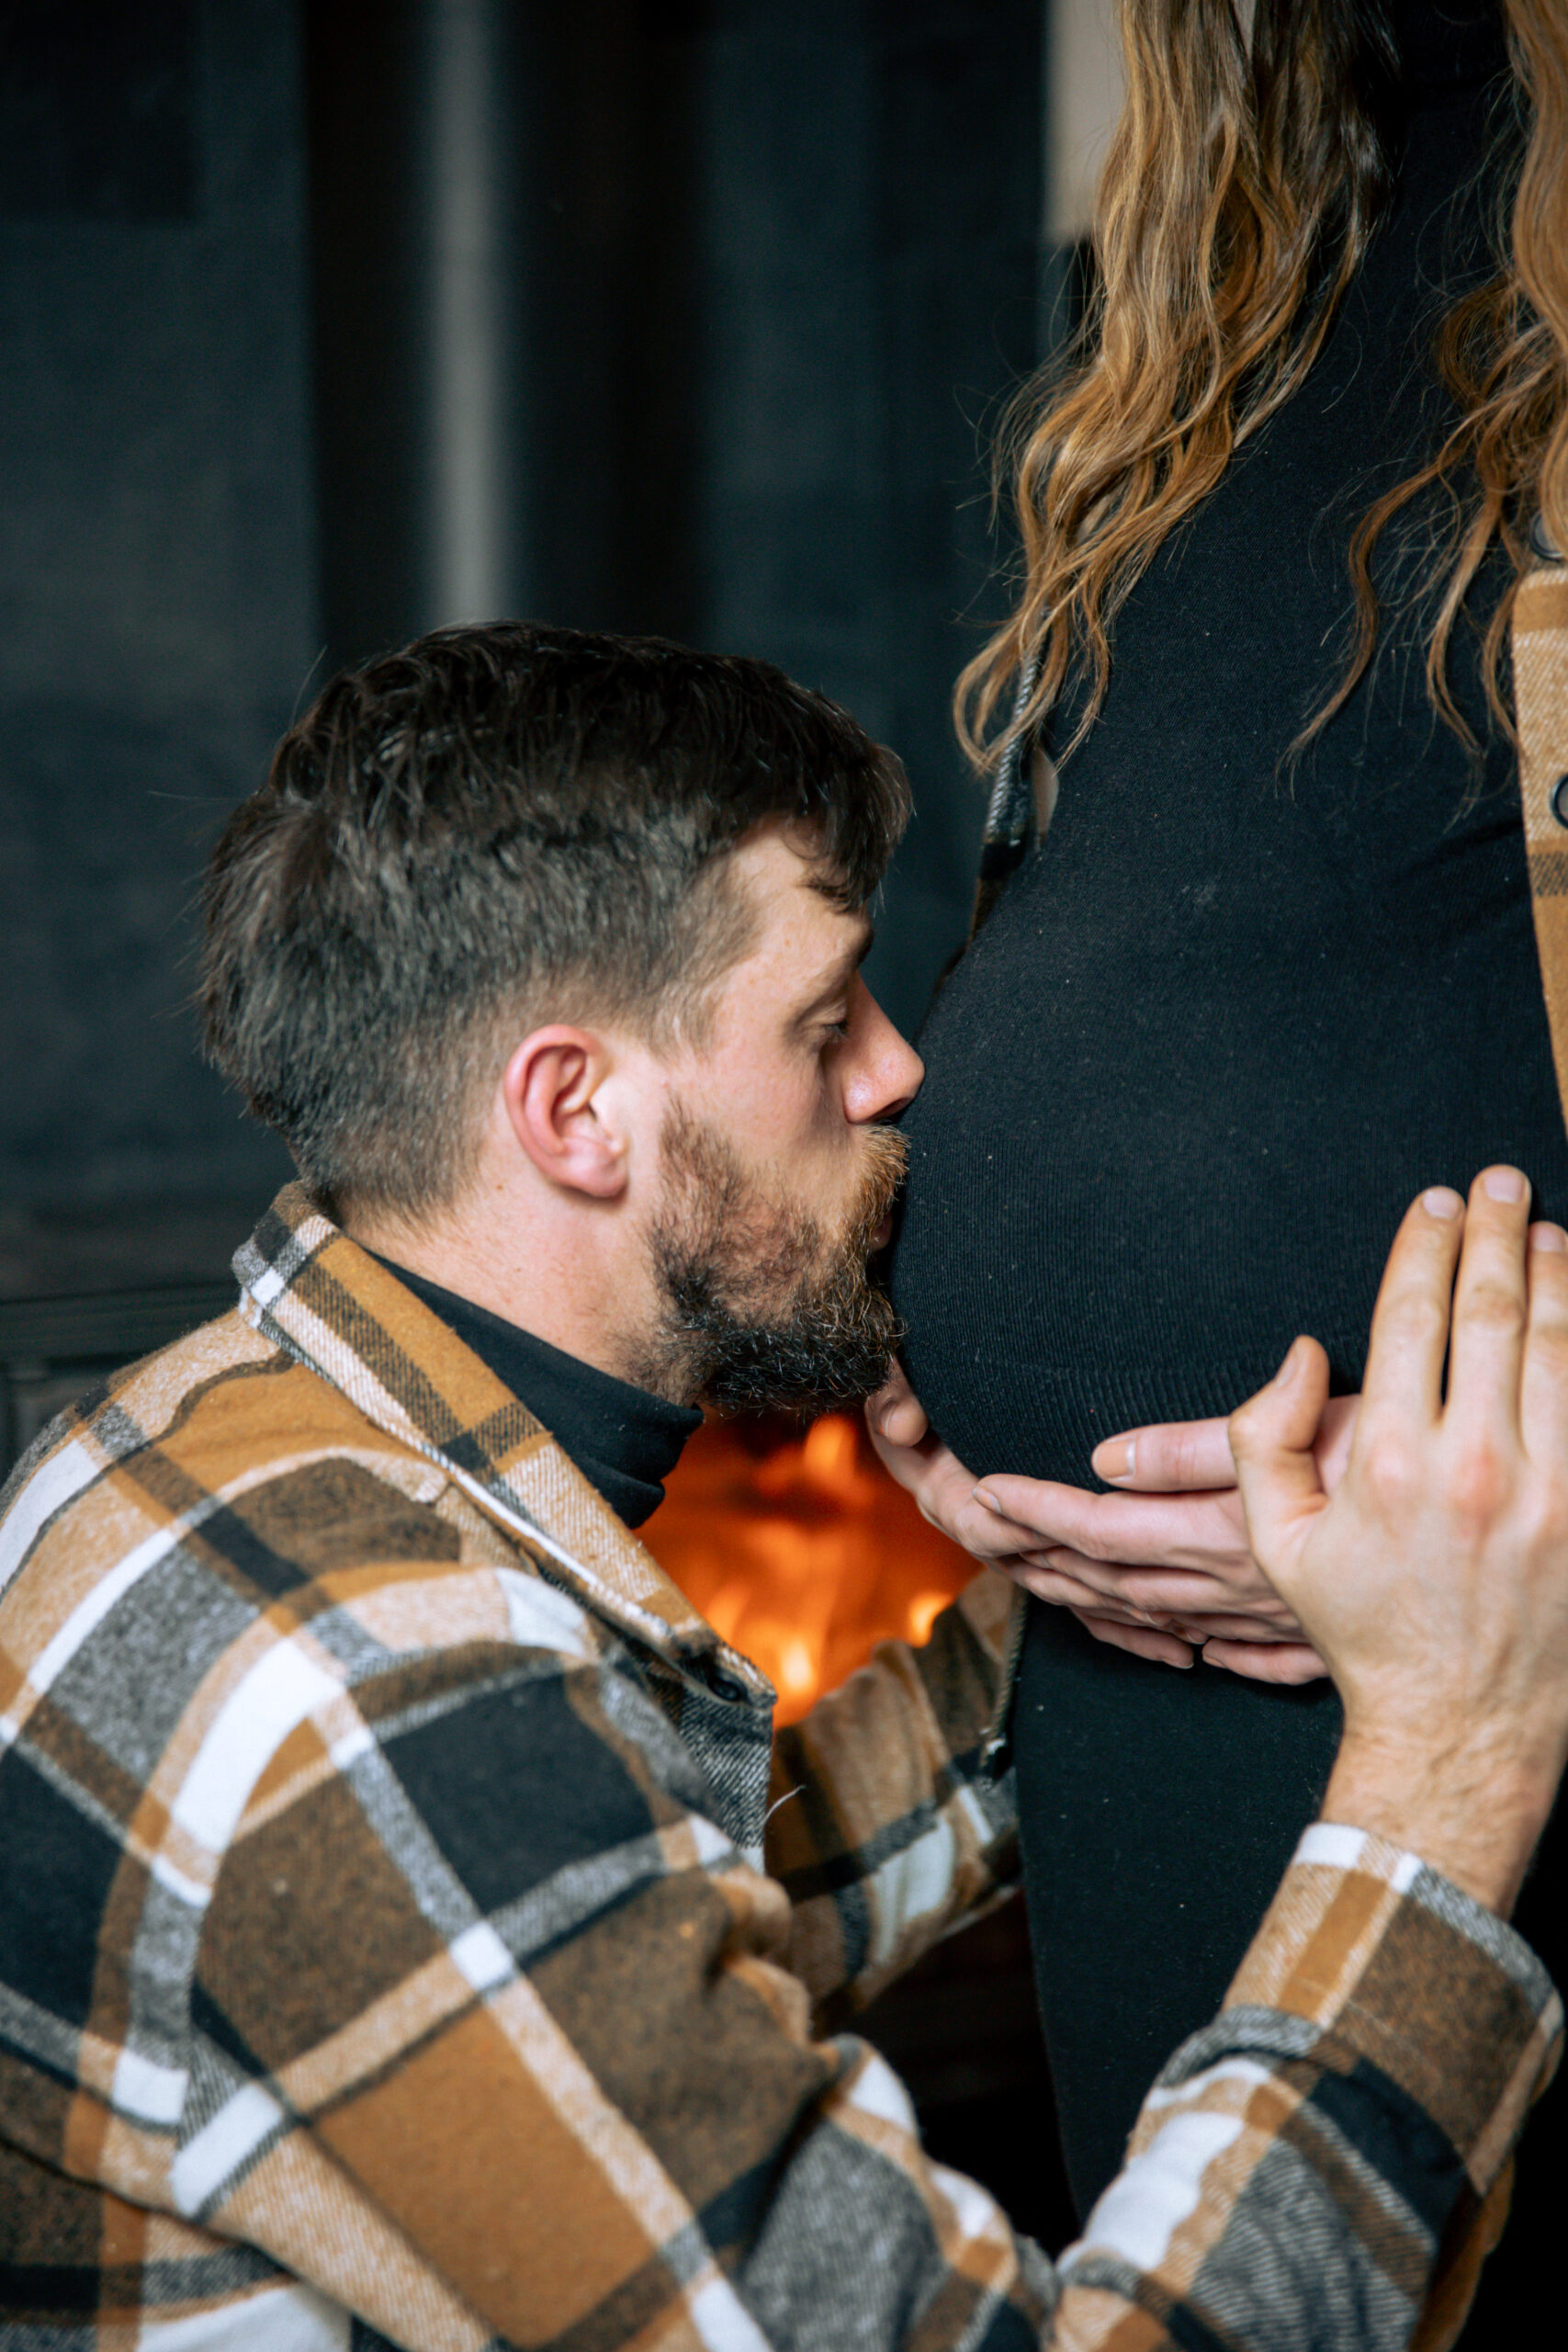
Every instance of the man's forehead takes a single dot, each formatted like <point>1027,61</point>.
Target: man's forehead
<point>798,921</point>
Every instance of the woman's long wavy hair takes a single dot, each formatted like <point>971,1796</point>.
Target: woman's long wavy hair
<point>1242,185</point>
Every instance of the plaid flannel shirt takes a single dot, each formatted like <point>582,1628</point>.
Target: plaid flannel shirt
<point>387,1953</point>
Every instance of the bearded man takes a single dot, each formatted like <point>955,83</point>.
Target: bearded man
<point>411,1930</point>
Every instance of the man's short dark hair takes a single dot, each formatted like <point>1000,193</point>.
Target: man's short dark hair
<point>497,827</point>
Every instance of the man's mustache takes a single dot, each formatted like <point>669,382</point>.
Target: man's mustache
<point>887,1164</point>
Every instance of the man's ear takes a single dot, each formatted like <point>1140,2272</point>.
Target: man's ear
<point>549,1088</point>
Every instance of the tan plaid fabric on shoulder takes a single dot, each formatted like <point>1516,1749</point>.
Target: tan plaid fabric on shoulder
<point>387,1951</point>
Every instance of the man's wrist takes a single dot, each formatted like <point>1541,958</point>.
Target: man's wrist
<point>1470,1812</point>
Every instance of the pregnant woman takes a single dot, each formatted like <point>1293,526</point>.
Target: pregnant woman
<point>1268,966</point>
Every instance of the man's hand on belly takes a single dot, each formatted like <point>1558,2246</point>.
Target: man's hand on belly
<point>1160,1567</point>
<point>1436,1578</point>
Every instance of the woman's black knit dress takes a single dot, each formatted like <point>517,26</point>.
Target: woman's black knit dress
<point>1219,1031</point>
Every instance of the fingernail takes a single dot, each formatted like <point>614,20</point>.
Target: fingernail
<point>1112,1461</point>
<point>980,1496</point>
<point>1547,1236</point>
<point>1443,1203</point>
<point>1290,1368</point>
<point>1503,1184</point>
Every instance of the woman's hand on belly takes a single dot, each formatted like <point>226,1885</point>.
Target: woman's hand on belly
<point>1160,1567</point>
<point>1170,1547</point>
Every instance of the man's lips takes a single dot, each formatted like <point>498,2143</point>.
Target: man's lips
<point>882,1234</point>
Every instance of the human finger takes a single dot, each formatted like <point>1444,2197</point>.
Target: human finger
<point>1486,1343</point>
<point>1281,1662</point>
<point>1139,1641</point>
<point>940,1486</point>
<point>1271,1439</point>
<point>1160,1649</point>
<point>895,1412</point>
<point>1172,1456</point>
<point>988,1531</point>
<point>1336,1433</point>
<point>1410,1320</point>
<point>1228,1625</point>
<point>944,1490</point>
<point>1184,1591</point>
<point>1543,1390</point>
<point>1166,1457</point>
<point>1067,1592</point>
<point>1062,1590</point>
<point>1206,1532</point>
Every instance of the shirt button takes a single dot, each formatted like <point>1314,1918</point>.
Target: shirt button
<point>1560,801</point>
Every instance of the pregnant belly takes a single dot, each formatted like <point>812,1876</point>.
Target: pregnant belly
<point>998,1413</point>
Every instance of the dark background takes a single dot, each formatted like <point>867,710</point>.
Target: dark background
<point>770,268</point>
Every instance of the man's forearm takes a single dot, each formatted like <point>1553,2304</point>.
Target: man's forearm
<point>1473,1814</point>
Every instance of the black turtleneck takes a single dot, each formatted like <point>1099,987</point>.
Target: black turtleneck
<point>624,1440</point>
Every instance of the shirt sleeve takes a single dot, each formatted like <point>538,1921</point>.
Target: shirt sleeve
<point>493,2042</point>
<point>1324,2162</point>
<point>886,1829</point>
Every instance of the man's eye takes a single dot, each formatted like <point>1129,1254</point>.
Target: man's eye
<point>835,1031</point>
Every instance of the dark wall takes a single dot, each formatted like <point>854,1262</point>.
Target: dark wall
<point>872,202</point>
<point>155,560</point>
<point>780,264</point>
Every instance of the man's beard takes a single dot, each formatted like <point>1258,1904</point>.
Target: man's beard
<point>760,1309</point>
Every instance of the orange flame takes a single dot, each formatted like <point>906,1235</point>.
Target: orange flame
<point>800,1550</point>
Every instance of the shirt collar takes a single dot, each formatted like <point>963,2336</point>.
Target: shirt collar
<point>336,1310</point>
<point>625,1440</point>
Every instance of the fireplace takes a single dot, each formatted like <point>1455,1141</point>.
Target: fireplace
<point>801,1550</point>
<point>804,1554</point>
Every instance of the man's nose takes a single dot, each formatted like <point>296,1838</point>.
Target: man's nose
<point>886,1072</point>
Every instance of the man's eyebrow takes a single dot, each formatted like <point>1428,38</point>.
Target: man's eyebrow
<point>837,975</point>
